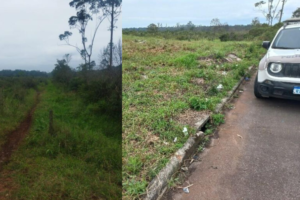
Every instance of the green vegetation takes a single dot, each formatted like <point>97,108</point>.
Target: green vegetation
<point>81,161</point>
<point>81,157</point>
<point>221,32</point>
<point>217,119</point>
<point>168,77</point>
<point>60,134</point>
<point>17,96</point>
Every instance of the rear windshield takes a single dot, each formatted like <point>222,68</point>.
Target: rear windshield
<point>288,39</point>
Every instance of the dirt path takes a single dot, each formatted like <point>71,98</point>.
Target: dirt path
<point>15,137</point>
<point>12,143</point>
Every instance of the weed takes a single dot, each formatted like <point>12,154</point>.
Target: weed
<point>218,119</point>
<point>208,131</point>
<point>213,91</point>
<point>134,164</point>
<point>173,182</point>
<point>82,160</point>
<point>219,55</point>
<point>134,188</point>
<point>200,148</point>
<point>198,104</point>
<point>151,105</point>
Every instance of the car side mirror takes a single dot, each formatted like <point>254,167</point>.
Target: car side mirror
<point>266,44</point>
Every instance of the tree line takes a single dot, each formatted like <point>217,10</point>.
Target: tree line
<point>23,73</point>
<point>218,29</point>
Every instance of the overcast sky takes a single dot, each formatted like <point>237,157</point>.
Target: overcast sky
<point>141,13</point>
<point>29,34</point>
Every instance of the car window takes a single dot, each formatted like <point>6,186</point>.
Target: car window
<point>288,39</point>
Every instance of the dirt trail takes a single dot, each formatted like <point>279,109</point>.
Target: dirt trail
<point>13,141</point>
<point>15,137</point>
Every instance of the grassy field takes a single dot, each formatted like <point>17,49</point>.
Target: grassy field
<point>81,160</point>
<point>166,83</point>
<point>15,101</point>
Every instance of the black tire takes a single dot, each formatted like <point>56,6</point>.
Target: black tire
<point>256,92</point>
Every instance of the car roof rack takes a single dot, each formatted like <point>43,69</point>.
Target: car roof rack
<point>290,21</point>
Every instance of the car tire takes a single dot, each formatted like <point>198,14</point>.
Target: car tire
<point>256,92</point>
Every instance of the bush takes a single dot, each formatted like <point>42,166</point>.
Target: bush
<point>199,104</point>
<point>218,119</point>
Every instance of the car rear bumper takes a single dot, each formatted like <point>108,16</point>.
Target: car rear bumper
<point>278,89</point>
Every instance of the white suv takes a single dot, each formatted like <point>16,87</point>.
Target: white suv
<point>279,70</point>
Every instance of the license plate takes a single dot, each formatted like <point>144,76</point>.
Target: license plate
<point>296,90</point>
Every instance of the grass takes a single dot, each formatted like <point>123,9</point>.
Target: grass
<point>217,119</point>
<point>81,161</point>
<point>15,102</point>
<point>161,79</point>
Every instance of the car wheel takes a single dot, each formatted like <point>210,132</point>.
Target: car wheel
<point>256,92</point>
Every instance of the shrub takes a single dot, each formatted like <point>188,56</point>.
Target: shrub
<point>218,119</point>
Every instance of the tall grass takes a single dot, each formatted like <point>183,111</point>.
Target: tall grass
<point>81,160</point>
<point>16,99</point>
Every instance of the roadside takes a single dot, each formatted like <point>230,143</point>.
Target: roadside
<point>169,86</point>
<point>254,157</point>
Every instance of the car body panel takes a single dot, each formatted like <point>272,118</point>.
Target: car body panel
<point>273,83</point>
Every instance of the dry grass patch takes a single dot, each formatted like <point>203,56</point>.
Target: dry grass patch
<point>191,117</point>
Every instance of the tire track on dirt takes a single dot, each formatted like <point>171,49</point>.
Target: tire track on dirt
<point>15,137</point>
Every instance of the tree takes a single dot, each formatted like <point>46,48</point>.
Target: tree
<point>281,10</point>
<point>85,12</point>
<point>215,22</point>
<point>255,21</point>
<point>152,28</point>
<point>271,11</point>
<point>217,25</point>
<point>190,26</point>
<point>104,55</point>
<point>118,53</point>
<point>67,58</point>
<point>113,10</point>
<point>296,13</point>
<point>225,26</point>
<point>62,73</point>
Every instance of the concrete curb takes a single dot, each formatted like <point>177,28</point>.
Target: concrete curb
<point>230,93</point>
<point>158,185</point>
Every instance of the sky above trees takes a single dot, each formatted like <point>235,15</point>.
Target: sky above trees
<point>141,13</point>
<point>29,34</point>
